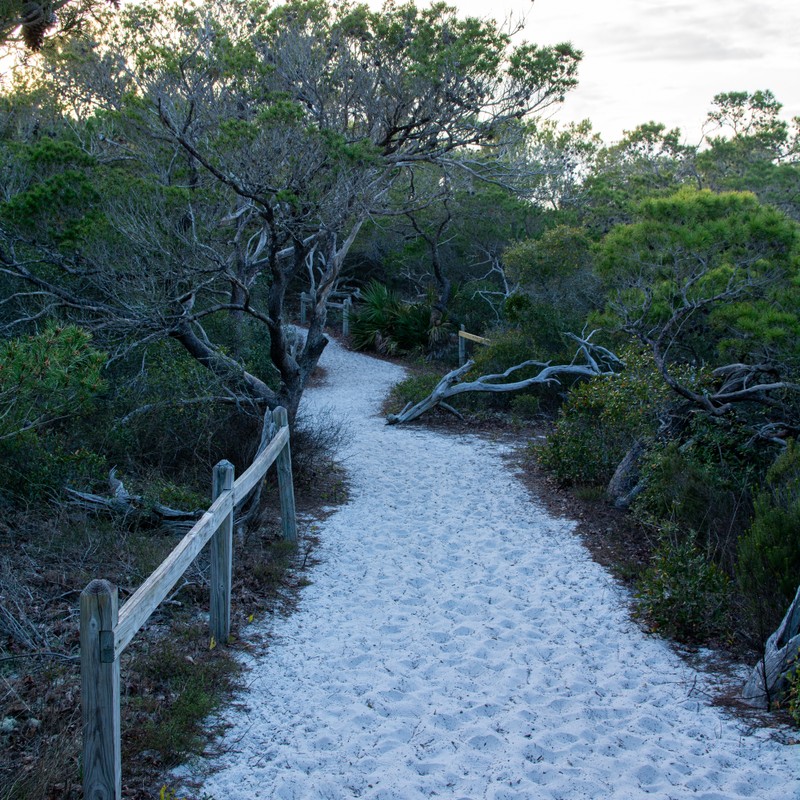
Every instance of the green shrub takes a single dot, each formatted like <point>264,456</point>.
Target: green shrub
<point>162,432</point>
<point>583,448</point>
<point>49,383</point>
<point>36,467</point>
<point>508,348</point>
<point>468,306</point>
<point>411,327</point>
<point>704,480</point>
<point>769,552</point>
<point>543,324</point>
<point>46,377</point>
<point>793,692</point>
<point>413,389</point>
<point>682,594</point>
<point>505,349</point>
<point>372,319</point>
<point>384,323</point>
<point>602,418</point>
<point>525,406</point>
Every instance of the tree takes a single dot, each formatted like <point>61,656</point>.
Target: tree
<point>751,148</point>
<point>564,158</point>
<point>453,241</point>
<point>649,160</point>
<point>710,280</point>
<point>35,19</point>
<point>557,286</point>
<point>299,120</point>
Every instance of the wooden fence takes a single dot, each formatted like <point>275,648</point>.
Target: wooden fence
<point>463,338</point>
<point>346,307</point>
<point>107,630</point>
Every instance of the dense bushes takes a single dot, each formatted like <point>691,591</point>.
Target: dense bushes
<point>49,385</point>
<point>699,496</point>
<point>66,415</point>
<point>602,418</point>
<point>703,479</point>
<point>769,553</point>
<point>170,414</point>
<point>413,389</point>
<point>682,594</point>
<point>384,323</point>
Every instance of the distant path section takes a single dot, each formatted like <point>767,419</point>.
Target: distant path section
<point>458,642</point>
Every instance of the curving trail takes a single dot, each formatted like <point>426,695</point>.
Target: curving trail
<point>458,642</point>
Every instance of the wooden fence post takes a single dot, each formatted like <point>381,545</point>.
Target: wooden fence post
<point>102,760</point>
<point>221,559</point>
<point>462,350</point>
<point>285,486</point>
<point>346,307</point>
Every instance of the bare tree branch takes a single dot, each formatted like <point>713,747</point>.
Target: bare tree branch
<point>600,361</point>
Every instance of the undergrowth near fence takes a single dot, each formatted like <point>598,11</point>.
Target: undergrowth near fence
<point>171,678</point>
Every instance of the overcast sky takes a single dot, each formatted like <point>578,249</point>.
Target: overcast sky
<point>663,60</point>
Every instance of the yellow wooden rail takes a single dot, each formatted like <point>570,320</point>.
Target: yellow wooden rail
<point>473,337</point>
<point>463,337</point>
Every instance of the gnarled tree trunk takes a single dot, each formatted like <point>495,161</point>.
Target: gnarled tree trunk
<point>769,680</point>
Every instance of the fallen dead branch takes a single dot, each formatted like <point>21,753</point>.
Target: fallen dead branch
<point>597,361</point>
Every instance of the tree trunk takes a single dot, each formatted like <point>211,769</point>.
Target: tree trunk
<point>625,483</point>
<point>233,375</point>
<point>770,677</point>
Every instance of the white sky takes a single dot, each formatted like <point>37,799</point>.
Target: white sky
<point>663,60</point>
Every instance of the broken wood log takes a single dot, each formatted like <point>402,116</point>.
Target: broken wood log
<point>175,520</point>
<point>123,502</point>
<point>769,679</point>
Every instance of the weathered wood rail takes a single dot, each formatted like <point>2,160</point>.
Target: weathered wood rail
<point>463,338</point>
<point>107,630</point>
<point>346,307</point>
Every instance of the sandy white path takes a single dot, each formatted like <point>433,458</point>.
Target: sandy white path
<point>457,642</point>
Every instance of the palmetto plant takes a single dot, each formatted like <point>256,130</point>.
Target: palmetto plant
<point>374,319</point>
<point>386,324</point>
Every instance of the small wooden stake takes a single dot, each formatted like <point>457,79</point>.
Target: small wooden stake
<point>221,559</point>
<point>102,760</point>
<point>285,486</point>
<point>346,307</point>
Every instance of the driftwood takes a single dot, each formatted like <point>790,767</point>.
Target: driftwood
<point>770,677</point>
<point>598,361</point>
<point>123,502</point>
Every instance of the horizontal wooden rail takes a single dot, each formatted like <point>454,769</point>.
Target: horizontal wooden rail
<point>463,337</point>
<point>149,596</point>
<point>473,337</point>
<point>106,632</point>
<point>248,480</point>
